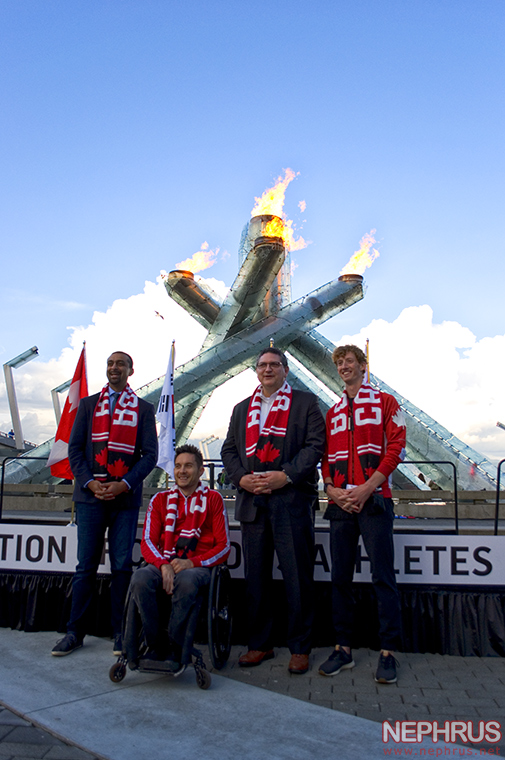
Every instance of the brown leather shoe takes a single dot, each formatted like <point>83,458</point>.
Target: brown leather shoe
<point>255,657</point>
<point>298,664</point>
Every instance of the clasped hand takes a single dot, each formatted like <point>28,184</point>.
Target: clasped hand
<point>263,482</point>
<point>169,571</point>
<point>107,491</point>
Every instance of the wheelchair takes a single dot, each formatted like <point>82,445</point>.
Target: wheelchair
<point>218,623</point>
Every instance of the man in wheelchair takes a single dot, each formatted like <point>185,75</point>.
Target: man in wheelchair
<point>185,534</point>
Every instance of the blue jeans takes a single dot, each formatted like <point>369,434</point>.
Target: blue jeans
<point>147,593</point>
<point>92,522</point>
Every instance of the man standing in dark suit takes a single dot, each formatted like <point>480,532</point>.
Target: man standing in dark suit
<point>112,449</point>
<point>274,442</point>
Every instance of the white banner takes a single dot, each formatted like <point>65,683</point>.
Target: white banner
<point>420,558</point>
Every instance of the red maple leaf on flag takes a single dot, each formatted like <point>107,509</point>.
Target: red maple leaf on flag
<point>101,457</point>
<point>268,453</point>
<point>338,479</point>
<point>117,469</point>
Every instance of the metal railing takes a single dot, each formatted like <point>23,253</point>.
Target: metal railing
<point>212,464</point>
<point>455,478</point>
<point>2,482</point>
<point>497,496</point>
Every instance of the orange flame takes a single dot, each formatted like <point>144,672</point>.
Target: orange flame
<point>272,203</point>
<point>364,258</point>
<point>202,259</point>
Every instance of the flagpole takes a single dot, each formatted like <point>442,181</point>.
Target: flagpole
<point>166,418</point>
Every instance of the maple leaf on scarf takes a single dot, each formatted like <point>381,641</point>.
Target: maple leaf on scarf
<point>101,457</point>
<point>338,479</point>
<point>268,453</point>
<point>117,469</point>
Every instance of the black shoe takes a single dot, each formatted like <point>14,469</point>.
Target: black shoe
<point>337,661</point>
<point>66,645</point>
<point>117,649</point>
<point>386,669</point>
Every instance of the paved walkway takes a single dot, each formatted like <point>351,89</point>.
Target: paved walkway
<point>68,709</point>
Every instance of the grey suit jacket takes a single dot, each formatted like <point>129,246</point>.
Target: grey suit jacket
<point>302,450</point>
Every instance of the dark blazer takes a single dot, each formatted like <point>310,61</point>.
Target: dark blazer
<point>302,450</point>
<point>80,454</point>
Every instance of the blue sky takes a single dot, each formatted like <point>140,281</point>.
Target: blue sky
<point>131,132</point>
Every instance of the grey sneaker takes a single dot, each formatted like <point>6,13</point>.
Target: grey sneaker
<point>386,669</point>
<point>337,661</point>
<point>68,644</point>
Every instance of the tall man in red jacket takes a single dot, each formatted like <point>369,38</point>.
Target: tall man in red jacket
<point>365,442</point>
<point>185,535</point>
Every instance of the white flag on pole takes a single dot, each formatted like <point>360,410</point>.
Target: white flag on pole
<point>166,418</point>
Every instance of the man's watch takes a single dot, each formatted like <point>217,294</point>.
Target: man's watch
<point>325,487</point>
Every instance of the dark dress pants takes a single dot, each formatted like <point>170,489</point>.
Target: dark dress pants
<point>92,523</point>
<point>375,523</point>
<point>283,523</point>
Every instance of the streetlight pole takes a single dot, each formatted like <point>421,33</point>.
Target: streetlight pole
<point>18,361</point>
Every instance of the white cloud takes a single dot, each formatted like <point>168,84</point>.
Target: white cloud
<point>445,370</point>
<point>442,368</point>
<point>130,325</point>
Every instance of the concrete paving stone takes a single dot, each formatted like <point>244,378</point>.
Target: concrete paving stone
<point>5,731</point>
<point>459,712</point>
<point>340,707</point>
<point>416,711</point>
<point>492,713</point>
<point>366,686</point>
<point>321,702</point>
<point>429,693</point>
<point>32,735</point>
<point>476,693</point>
<point>22,751</point>
<point>489,702</point>
<point>372,704</point>
<point>277,687</point>
<point>67,752</point>
<point>390,697</point>
<point>447,681</point>
<point>429,683</point>
<point>435,694</point>
<point>377,717</point>
<point>500,701</point>
<point>8,718</point>
<point>394,714</point>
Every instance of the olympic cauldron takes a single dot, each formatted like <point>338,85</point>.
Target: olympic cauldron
<point>257,312</point>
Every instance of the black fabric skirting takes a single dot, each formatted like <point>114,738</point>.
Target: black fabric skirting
<point>457,621</point>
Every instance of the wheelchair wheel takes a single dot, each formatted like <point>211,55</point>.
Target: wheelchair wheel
<point>117,672</point>
<point>219,617</point>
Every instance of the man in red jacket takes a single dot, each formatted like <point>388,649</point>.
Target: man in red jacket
<point>365,442</point>
<point>185,535</point>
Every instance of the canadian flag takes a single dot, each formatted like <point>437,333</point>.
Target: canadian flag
<point>58,458</point>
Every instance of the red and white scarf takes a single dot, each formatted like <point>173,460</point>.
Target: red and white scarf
<point>264,448</point>
<point>114,437</point>
<point>195,517</point>
<point>367,424</point>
